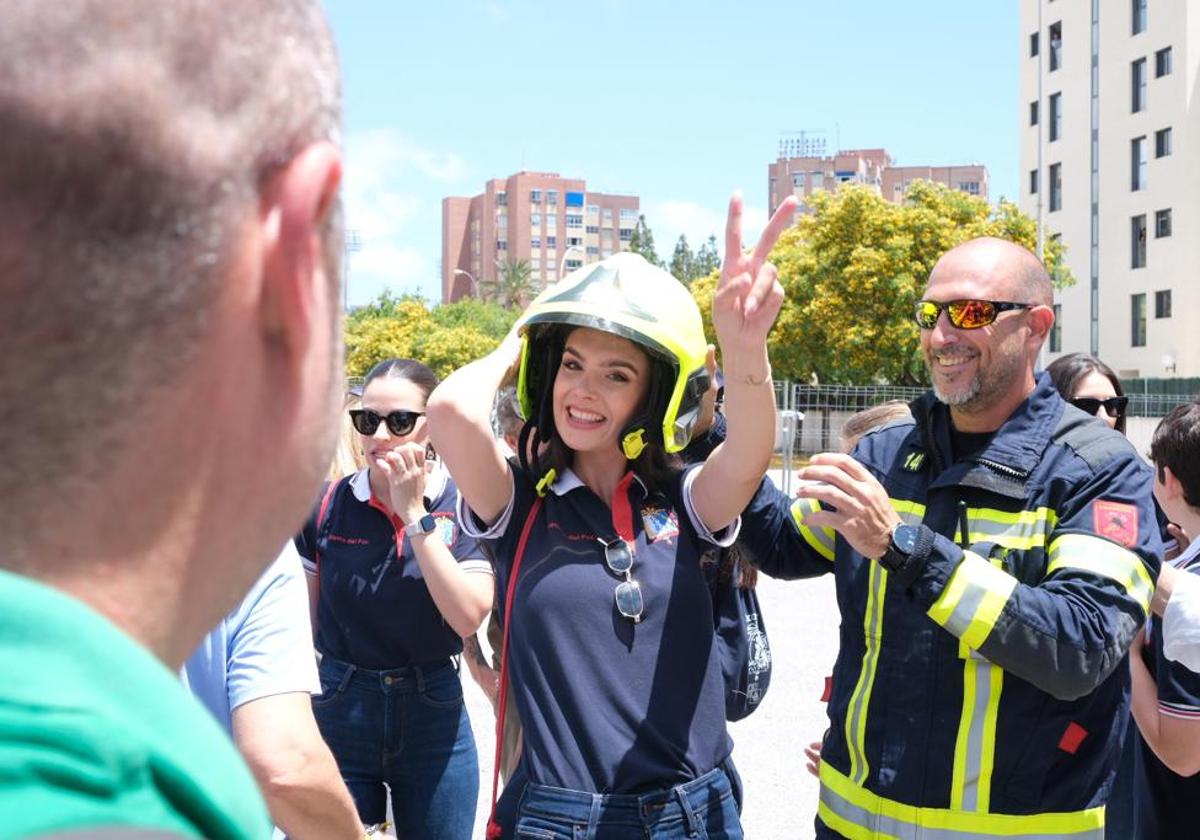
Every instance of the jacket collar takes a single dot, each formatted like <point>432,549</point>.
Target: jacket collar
<point>1010,457</point>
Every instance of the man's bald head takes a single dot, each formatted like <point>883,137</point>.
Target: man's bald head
<point>136,139</point>
<point>1021,276</point>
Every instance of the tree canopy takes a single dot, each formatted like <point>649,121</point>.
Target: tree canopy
<point>641,241</point>
<point>854,264</point>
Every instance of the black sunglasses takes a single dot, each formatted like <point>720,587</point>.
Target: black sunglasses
<point>399,423</point>
<point>1113,406</point>
<point>964,314</point>
<point>628,594</point>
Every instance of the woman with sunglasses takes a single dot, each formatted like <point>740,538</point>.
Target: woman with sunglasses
<point>1091,386</point>
<point>609,650</point>
<point>394,584</point>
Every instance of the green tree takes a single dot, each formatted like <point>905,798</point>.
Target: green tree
<point>854,265</point>
<point>642,242</point>
<point>490,319</point>
<point>683,261</point>
<point>707,260</point>
<point>513,286</point>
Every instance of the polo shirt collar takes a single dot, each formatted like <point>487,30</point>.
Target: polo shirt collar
<point>568,481</point>
<point>435,483</point>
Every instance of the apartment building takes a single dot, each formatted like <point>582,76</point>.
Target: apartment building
<point>552,222</point>
<point>1109,163</point>
<point>802,175</point>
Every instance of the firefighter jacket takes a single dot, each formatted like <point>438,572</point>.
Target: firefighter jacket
<point>987,694</point>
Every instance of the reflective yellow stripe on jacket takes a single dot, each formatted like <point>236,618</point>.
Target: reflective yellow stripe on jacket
<point>860,814</point>
<point>1105,558</point>
<point>821,539</point>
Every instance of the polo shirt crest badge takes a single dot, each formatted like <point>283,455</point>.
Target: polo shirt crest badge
<point>660,523</point>
<point>446,529</point>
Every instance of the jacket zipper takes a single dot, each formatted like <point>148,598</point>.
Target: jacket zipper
<point>1003,469</point>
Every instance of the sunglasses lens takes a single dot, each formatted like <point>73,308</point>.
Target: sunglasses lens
<point>618,558</point>
<point>971,314</point>
<point>629,599</point>
<point>926,314</point>
<point>365,421</point>
<point>401,422</point>
<point>1087,405</point>
<point>1115,406</point>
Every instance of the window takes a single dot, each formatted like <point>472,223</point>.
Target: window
<point>969,187</point>
<point>1033,113</point>
<point>501,245</point>
<point>535,243</point>
<point>574,220</point>
<point>573,264</point>
<point>551,242</point>
<point>606,216</point>
<point>1137,241</point>
<point>628,214</point>
<point>626,234</point>
<point>1162,63</point>
<point>592,229</point>
<point>1055,46</point>
<point>1055,116</point>
<point>1137,326</point>
<point>551,221</point>
<point>1033,44</point>
<point>535,220</point>
<point>502,199</point>
<point>1056,330</point>
<point>1162,223</point>
<point>1055,187</point>
<point>593,209</point>
<point>1139,16</point>
<point>552,197</point>
<point>1137,164</point>
<point>535,196</point>
<point>798,179</point>
<point>1138,85</point>
<point>1162,304</point>
<point>535,263</point>
<point>502,221</point>
<point>1033,181</point>
<point>1162,142</point>
<point>593,251</point>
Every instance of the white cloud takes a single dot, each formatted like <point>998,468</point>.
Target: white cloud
<point>392,193</point>
<point>668,219</point>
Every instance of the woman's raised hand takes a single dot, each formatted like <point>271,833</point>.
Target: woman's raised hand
<point>404,468</point>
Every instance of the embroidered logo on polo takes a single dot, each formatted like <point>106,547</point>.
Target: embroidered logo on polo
<point>446,529</point>
<point>659,523</point>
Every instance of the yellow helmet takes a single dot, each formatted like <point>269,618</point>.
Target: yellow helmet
<point>629,297</point>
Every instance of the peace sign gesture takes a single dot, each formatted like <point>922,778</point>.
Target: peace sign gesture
<point>748,295</point>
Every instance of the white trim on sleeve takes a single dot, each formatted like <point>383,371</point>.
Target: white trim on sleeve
<point>727,535</point>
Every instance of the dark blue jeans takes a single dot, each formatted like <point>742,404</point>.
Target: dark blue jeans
<point>406,729</point>
<point>703,808</point>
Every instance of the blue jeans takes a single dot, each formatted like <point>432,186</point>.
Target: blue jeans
<point>406,729</point>
<point>703,808</point>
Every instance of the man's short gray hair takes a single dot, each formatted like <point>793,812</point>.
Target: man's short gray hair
<point>136,137</point>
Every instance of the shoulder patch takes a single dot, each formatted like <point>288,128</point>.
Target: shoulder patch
<point>1092,441</point>
<point>1118,521</point>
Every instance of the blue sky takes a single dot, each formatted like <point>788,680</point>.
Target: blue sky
<point>677,103</point>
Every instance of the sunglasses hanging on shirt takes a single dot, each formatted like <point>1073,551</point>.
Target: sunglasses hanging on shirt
<point>628,593</point>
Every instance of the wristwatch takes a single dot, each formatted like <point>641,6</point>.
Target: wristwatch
<point>907,552</point>
<point>425,525</point>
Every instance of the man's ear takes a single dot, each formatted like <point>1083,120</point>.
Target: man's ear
<point>300,279</point>
<point>1041,321</point>
<point>1170,483</point>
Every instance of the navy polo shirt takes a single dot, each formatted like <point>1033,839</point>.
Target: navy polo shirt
<point>374,609</point>
<point>607,705</point>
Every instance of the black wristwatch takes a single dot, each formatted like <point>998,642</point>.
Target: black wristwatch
<point>907,551</point>
<point>426,524</point>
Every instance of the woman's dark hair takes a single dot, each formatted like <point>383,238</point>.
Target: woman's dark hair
<point>412,370</point>
<point>654,466</point>
<point>1066,372</point>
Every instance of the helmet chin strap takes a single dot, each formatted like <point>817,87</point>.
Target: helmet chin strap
<point>633,442</point>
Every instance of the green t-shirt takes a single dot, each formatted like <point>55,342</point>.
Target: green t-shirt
<point>94,731</point>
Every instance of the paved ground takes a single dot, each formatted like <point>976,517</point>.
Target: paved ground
<point>802,621</point>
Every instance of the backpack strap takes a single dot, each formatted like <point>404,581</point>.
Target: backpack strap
<point>322,522</point>
<point>493,828</point>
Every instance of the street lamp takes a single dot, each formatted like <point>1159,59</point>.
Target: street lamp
<point>563,262</point>
<point>469,276</point>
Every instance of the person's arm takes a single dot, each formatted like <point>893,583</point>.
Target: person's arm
<point>747,299</point>
<point>279,739</point>
<point>1064,634</point>
<point>460,427</point>
<point>1177,600</point>
<point>1168,721</point>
